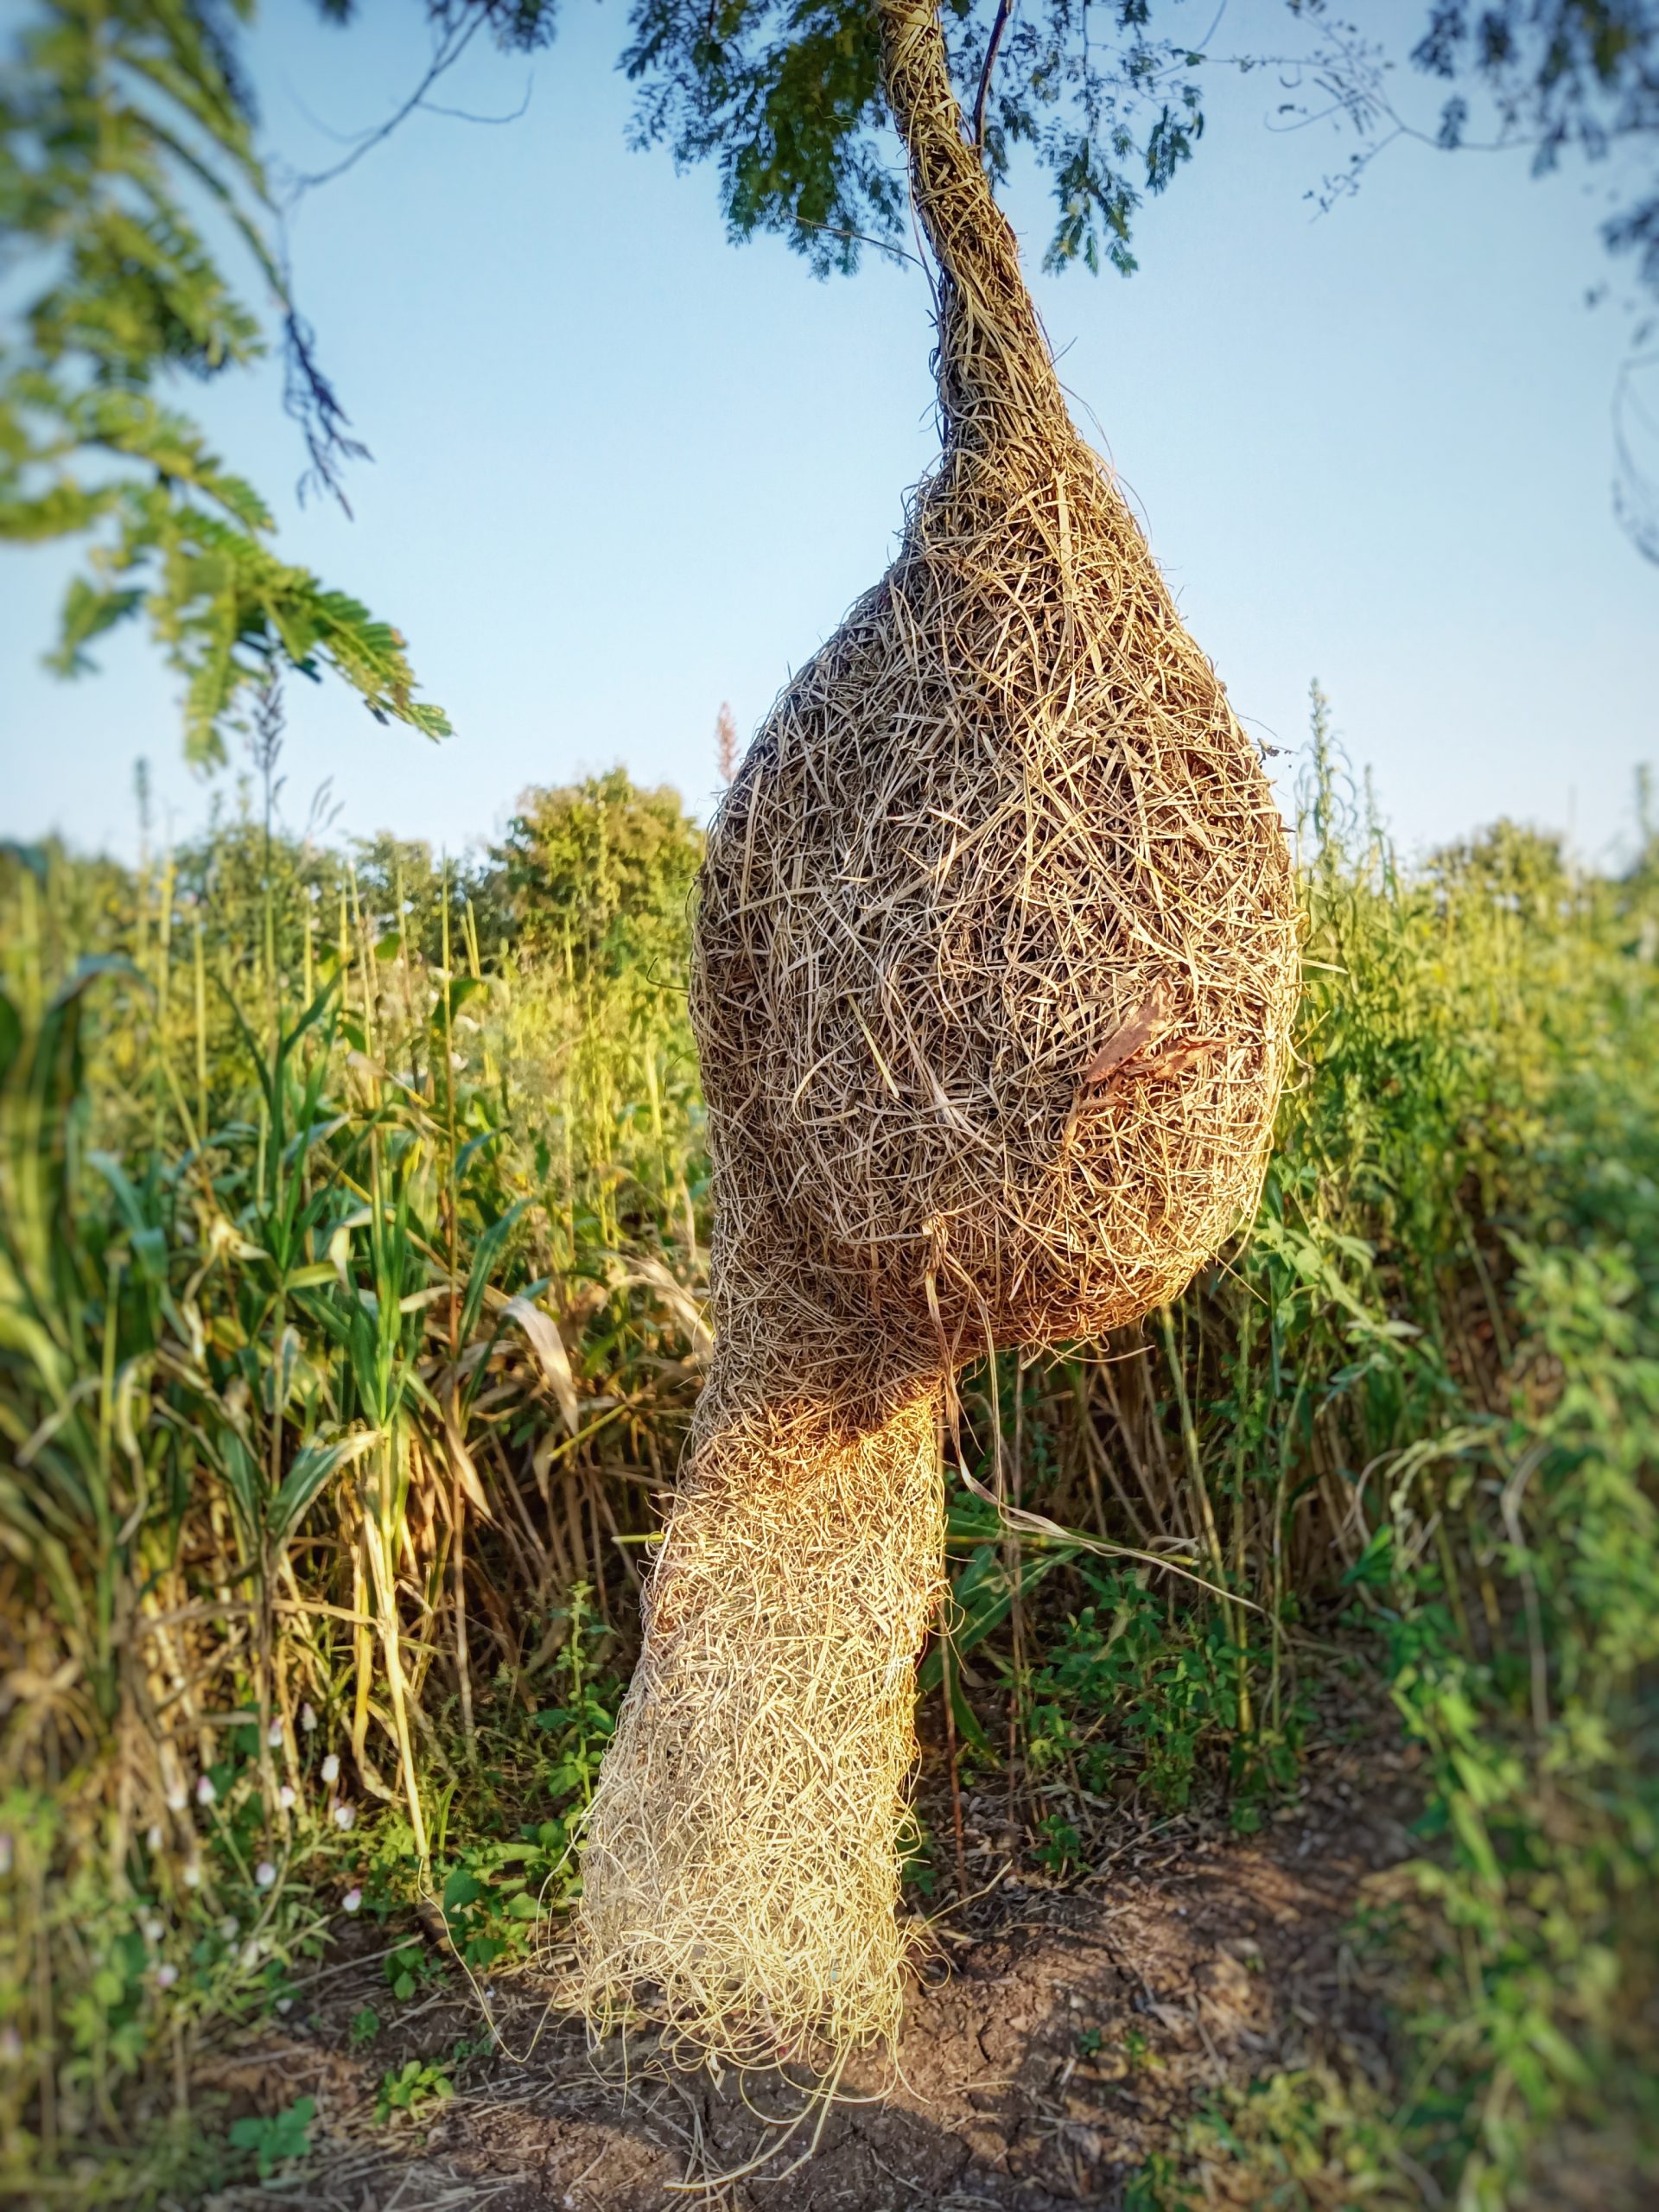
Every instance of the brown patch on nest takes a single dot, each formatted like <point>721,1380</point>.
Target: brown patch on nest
<point>995,963</point>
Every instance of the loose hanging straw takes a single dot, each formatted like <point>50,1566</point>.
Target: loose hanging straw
<point>995,959</point>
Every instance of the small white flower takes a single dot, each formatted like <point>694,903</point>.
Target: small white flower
<point>206,1792</point>
<point>154,1930</point>
<point>350,1901</point>
<point>253,1951</point>
<point>153,1837</point>
<point>192,1875</point>
<point>308,1717</point>
<point>264,1874</point>
<point>166,1975</point>
<point>285,1798</point>
<point>274,1735</point>
<point>229,1928</point>
<point>284,2006</point>
<point>176,1798</point>
<point>331,1767</point>
<point>344,1815</point>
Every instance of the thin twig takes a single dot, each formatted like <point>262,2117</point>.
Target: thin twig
<point>1004,10</point>
<point>880,245</point>
<point>450,50</point>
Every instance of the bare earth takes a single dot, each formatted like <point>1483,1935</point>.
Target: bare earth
<point>1057,2035</point>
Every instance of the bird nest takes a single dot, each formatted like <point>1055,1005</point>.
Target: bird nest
<point>996,961</point>
<point>996,947</point>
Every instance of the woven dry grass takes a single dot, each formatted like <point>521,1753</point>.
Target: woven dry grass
<point>995,961</point>
<point>741,1859</point>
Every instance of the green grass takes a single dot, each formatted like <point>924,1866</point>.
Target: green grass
<point>353,1226</point>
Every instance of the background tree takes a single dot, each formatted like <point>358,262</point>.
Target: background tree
<point>784,97</point>
<point>597,875</point>
<point>128,152</point>
<point>1556,76</point>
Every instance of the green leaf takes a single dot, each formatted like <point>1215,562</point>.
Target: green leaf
<point>11,1036</point>
<point>311,1470</point>
<point>87,613</point>
<point>486,1253</point>
<point>246,1483</point>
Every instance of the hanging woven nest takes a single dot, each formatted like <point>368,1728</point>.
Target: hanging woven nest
<point>996,960</point>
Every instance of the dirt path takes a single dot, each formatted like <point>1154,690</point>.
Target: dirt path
<point>1053,2041</point>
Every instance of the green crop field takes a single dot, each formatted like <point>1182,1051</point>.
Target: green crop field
<point>353,1238</point>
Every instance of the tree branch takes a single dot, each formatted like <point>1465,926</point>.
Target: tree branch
<point>1004,10</point>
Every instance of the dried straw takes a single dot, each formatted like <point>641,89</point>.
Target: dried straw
<point>995,966</point>
<point>742,1862</point>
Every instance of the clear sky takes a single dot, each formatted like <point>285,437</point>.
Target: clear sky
<point>623,470</point>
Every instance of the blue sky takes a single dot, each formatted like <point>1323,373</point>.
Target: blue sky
<point>623,470</point>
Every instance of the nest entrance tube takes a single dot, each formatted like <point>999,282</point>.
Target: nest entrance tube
<point>741,1869</point>
<point>994,968</point>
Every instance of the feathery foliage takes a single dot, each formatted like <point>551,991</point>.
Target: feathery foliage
<point>127,166</point>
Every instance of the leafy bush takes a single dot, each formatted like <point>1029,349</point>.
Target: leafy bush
<point>411,2092</point>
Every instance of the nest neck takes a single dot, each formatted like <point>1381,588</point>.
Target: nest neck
<point>997,387</point>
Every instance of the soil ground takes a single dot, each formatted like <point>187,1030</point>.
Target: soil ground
<point>1057,2035</point>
